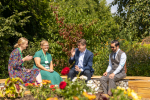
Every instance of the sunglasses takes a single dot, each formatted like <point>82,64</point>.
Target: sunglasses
<point>112,47</point>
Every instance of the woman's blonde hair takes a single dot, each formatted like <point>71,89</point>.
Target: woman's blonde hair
<point>21,40</point>
<point>43,41</point>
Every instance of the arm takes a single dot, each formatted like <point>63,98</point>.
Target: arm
<point>109,66</point>
<point>121,64</point>
<point>51,65</point>
<point>90,63</point>
<point>37,62</point>
<point>71,60</point>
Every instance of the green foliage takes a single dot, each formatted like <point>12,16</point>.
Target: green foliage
<point>7,30</point>
<point>135,18</point>
<point>138,61</point>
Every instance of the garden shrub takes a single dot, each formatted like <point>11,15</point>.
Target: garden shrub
<point>139,61</point>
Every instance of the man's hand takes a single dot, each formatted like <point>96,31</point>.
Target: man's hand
<point>77,68</point>
<point>105,74</point>
<point>73,52</point>
<point>111,75</point>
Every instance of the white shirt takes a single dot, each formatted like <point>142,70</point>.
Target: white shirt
<point>121,64</point>
<point>81,58</point>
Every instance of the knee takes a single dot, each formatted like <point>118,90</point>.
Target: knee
<point>101,79</point>
<point>87,72</point>
<point>110,79</point>
<point>71,72</point>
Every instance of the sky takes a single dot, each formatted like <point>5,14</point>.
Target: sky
<point>113,8</point>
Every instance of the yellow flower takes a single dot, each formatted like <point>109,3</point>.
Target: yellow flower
<point>52,98</point>
<point>125,92</point>
<point>134,96</point>
<point>90,97</point>
<point>129,90</point>
<point>30,84</point>
<point>123,89</point>
<point>118,87</point>
<point>44,83</point>
<point>75,98</point>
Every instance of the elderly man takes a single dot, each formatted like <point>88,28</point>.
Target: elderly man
<point>115,70</point>
<point>83,61</point>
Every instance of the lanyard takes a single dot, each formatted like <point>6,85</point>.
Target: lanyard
<point>20,54</point>
<point>45,56</point>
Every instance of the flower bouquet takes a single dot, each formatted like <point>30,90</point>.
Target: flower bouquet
<point>13,88</point>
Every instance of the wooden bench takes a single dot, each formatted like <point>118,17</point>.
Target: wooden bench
<point>141,85</point>
<point>128,77</point>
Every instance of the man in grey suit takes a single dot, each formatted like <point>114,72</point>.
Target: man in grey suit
<point>115,70</point>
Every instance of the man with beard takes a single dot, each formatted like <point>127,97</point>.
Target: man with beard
<point>116,69</point>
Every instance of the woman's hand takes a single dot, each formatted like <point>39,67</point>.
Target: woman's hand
<point>27,58</point>
<point>50,70</point>
<point>28,70</point>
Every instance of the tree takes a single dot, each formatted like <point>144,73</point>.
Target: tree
<point>7,30</point>
<point>135,15</point>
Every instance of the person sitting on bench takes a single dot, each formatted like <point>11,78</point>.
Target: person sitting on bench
<point>116,69</point>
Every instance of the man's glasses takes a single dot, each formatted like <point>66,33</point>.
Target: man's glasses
<point>112,47</point>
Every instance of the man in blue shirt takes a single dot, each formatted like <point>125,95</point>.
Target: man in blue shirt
<point>83,61</point>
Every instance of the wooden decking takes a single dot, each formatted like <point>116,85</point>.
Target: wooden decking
<point>141,85</point>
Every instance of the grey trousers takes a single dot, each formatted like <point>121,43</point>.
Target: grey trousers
<point>111,82</point>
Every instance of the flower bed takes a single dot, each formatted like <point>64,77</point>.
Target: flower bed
<point>77,89</point>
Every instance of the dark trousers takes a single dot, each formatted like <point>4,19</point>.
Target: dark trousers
<point>72,73</point>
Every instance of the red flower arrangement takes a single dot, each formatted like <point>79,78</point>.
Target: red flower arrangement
<point>65,71</point>
<point>62,85</point>
<point>52,87</point>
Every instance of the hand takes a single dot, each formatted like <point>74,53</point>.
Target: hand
<point>111,75</point>
<point>105,74</point>
<point>73,52</point>
<point>28,70</point>
<point>77,68</point>
<point>27,58</point>
<point>50,70</point>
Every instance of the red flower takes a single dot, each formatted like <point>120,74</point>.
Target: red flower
<point>26,84</point>
<point>33,84</point>
<point>65,71</point>
<point>52,87</point>
<point>62,85</point>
